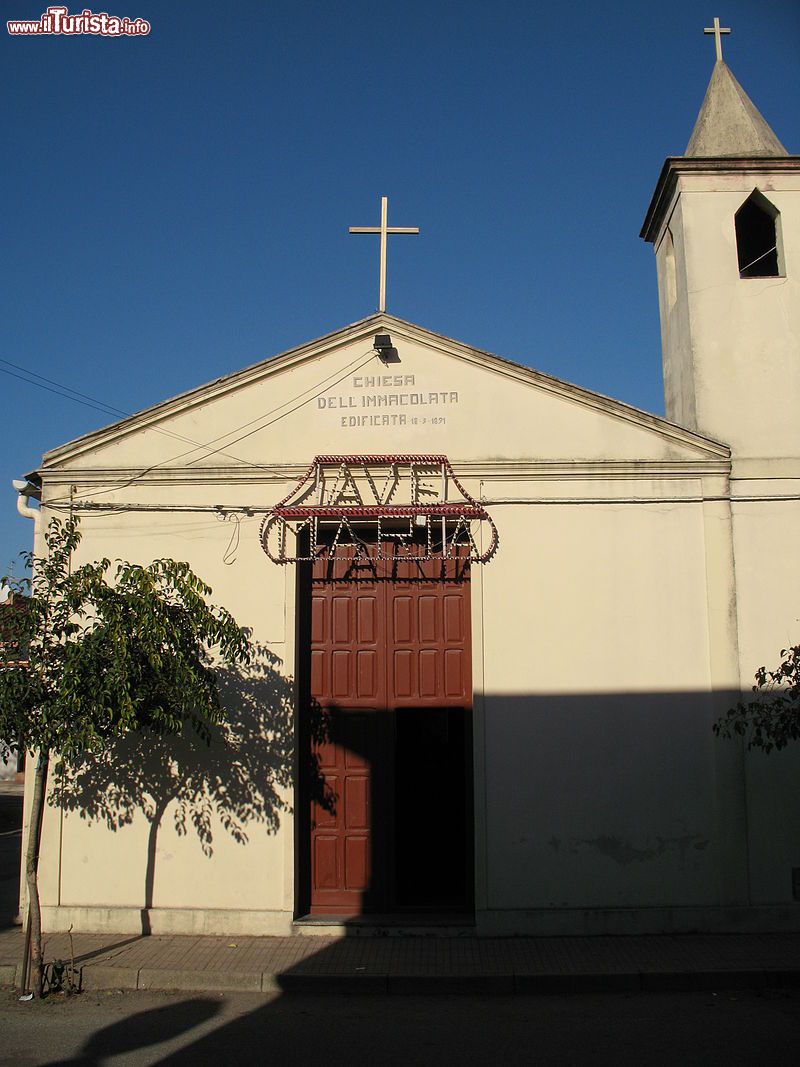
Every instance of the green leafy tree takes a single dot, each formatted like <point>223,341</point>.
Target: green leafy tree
<point>102,651</point>
<point>772,719</point>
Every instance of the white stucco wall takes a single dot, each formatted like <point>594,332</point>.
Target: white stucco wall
<point>767,533</point>
<point>599,748</point>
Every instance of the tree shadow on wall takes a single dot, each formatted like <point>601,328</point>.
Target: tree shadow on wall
<point>241,780</point>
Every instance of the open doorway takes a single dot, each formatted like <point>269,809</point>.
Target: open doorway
<point>385,795</point>
<point>432,809</point>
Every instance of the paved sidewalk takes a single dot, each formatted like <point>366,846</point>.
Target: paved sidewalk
<point>423,964</point>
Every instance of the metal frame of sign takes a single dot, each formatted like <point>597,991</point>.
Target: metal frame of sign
<point>349,505</point>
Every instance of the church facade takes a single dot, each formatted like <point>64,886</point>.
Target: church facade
<point>495,614</point>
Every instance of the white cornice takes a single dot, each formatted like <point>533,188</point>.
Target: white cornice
<point>497,470</point>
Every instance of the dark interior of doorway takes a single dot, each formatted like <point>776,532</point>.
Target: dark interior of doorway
<point>432,862</point>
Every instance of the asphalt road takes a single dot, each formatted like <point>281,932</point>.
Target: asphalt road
<point>278,1030</point>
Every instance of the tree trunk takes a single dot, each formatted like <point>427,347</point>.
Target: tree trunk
<point>150,872</point>
<point>32,870</point>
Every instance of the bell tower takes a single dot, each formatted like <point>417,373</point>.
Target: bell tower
<point>724,222</point>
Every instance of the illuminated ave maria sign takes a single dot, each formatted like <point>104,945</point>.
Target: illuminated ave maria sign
<point>385,507</point>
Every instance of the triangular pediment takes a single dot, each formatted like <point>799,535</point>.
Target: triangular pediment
<point>335,394</point>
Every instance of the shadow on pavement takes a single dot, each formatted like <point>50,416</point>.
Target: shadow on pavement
<point>143,1030</point>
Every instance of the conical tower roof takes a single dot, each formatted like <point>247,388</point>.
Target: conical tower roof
<point>729,123</point>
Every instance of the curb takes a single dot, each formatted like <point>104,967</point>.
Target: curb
<point>151,978</point>
<point>435,984</point>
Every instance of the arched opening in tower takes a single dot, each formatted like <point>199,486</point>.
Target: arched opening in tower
<point>757,235</point>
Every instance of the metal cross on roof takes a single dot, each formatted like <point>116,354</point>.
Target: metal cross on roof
<point>717,30</point>
<point>384,230</point>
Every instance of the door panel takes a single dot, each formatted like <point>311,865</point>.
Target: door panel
<point>428,636</point>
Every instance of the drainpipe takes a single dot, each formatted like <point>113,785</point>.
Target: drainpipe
<point>26,490</point>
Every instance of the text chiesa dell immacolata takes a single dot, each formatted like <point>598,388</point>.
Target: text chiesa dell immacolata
<point>406,399</point>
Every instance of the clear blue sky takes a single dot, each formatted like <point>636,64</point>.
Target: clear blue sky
<point>176,206</point>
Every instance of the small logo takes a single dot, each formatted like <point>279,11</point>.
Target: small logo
<point>57,21</point>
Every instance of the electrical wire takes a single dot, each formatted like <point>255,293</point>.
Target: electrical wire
<point>271,422</point>
<point>64,391</point>
<point>99,406</point>
<point>256,466</point>
<point>320,388</point>
<point>229,555</point>
<point>221,510</point>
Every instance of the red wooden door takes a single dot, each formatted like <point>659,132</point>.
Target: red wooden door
<point>384,638</point>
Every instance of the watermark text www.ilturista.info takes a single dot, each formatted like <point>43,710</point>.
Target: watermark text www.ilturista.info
<point>57,20</point>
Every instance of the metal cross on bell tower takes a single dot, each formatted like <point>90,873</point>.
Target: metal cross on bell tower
<point>384,230</point>
<point>717,30</point>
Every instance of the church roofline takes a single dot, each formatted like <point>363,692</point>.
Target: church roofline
<point>362,328</point>
<point>675,166</point>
